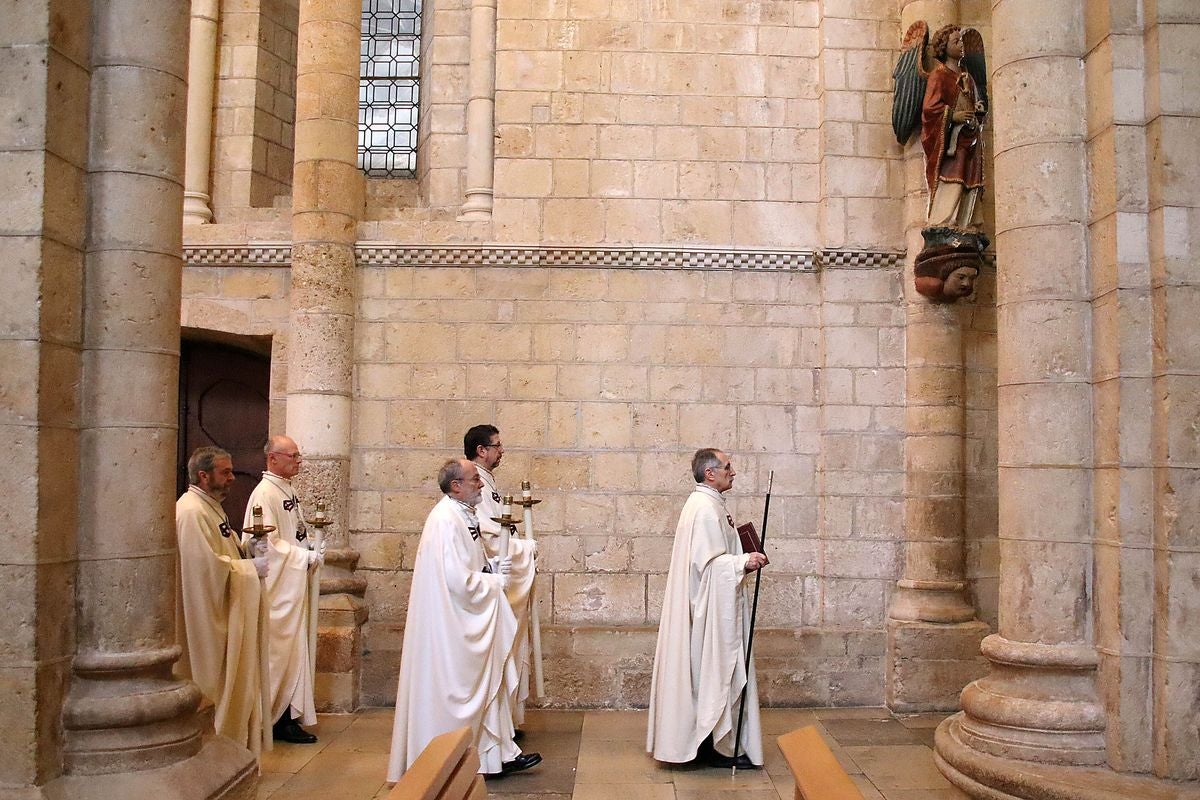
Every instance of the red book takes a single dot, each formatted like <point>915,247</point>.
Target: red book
<point>750,541</point>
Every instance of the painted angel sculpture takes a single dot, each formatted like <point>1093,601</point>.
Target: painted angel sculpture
<point>941,87</point>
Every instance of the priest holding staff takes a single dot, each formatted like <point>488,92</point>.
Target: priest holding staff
<point>456,666</point>
<point>221,613</point>
<point>289,591</point>
<point>700,664</point>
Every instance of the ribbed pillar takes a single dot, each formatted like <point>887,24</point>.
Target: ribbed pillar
<point>1039,701</point>
<point>326,206</point>
<point>931,653</point>
<point>202,68</point>
<point>481,114</point>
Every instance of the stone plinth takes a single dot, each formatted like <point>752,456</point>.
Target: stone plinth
<point>342,613</point>
<point>929,663</point>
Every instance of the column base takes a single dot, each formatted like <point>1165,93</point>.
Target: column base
<point>221,770</point>
<point>196,210</point>
<point>478,206</point>
<point>929,663</point>
<point>1038,703</point>
<point>981,775</point>
<point>930,601</point>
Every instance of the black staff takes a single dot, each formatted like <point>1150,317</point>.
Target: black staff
<point>762,543</point>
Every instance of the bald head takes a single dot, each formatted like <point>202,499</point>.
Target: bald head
<point>283,456</point>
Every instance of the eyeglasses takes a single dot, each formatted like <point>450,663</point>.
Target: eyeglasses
<point>296,456</point>
<point>497,444</point>
<point>724,466</point>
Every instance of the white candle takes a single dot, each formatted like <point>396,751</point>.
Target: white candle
<point>256,516</point>
<point>320,511</point>
<point>526,492</point>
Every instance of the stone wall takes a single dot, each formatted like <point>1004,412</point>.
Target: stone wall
<point>255,105</point>
<point>603,382</point>
<point>637,125</point>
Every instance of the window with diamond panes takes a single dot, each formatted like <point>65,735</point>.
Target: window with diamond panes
<point>389,86</point>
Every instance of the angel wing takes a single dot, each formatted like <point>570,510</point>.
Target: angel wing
<point>974,61</point>
<point>909,77</point>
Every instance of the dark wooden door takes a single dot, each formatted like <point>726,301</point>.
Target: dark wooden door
<point>224,397</point>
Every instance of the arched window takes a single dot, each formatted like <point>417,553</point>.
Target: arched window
<point>389,87</point>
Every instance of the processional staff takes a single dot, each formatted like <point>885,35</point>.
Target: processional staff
<point>508,524</point>
<point>527,502</point>
<point>762,543</point>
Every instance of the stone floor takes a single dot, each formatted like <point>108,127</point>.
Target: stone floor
<point>599,755</point>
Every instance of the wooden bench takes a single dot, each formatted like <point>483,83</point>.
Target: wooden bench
<point>817,773</point>
<point>447,769</point>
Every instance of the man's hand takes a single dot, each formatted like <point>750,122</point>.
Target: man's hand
<point>260,546</point>
<point>317,556</point>
<point>260,566</point>
<point>755,561</point>
<point>505,566</point>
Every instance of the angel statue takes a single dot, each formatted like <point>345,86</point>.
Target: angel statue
<point>942,88</point>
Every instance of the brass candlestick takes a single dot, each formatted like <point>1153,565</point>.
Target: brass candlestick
<point>320,520</point>
<point>526,500</point>
<point>257,530</point>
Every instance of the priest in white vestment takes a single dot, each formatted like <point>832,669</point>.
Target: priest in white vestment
<point>456,667</point>
<point>291,592</point>
<point>221,609</point>
<point>482,445</point>
<point>700,660</point>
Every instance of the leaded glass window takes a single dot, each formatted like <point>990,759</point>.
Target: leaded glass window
<point>389,87</point>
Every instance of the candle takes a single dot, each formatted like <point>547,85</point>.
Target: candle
<point>506,509</point>
<point>321,510</point>
<point>256,516</point>
<point>526,493</point>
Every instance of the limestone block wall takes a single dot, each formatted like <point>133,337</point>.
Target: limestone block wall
<point>603,382</point>
<point>255,105</point>
<point>626,121</point>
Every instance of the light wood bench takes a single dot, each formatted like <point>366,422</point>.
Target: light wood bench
<point>817,773</point>
<point>447,769</point>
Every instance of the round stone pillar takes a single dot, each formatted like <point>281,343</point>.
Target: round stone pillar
<point>128,724</point>
<point>933,637</point>
<point>1039,701</point>
<point>202,66</point>
<point>327,203</point>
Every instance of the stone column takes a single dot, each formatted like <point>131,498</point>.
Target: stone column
<point>326,206</point>
<point>481,114</point>
<point>1039,701</point>
<point>129,726</point>
<point>201,77</point>
<point>933,636</point>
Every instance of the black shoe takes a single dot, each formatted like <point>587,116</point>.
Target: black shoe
<point>521,762</point>
<point>726,762</point>
<point>518,734</point>
<point>293,733</point>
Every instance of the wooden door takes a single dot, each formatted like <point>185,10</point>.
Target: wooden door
<point>224,396</point>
